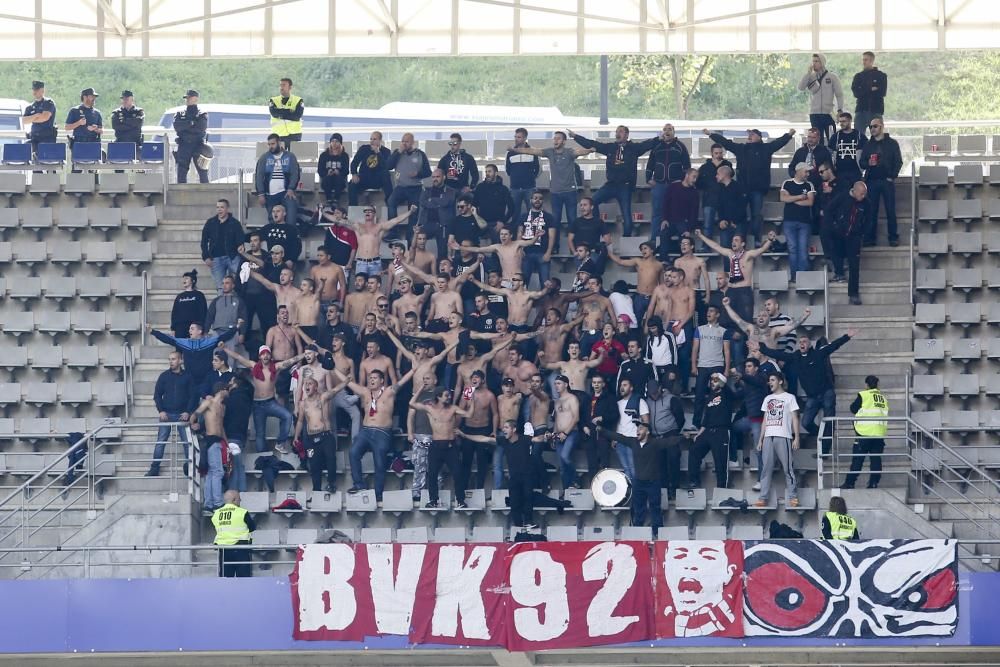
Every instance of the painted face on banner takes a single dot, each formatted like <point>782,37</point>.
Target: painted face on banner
<point>697,575</point>
<point>875,588</point>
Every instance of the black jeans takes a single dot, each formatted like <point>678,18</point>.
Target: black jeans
<point>670,462</point>
<point>444,452</point>
<point>701,390</point>
<point>185,155</point>
<point>852,253</point>
<point>872,448</point>
<point>235,562</point>
<point>825,124</point>
<point>646,494</point>
<point>478,452</point>
<point>265,308</point>
<point>321,450</point>
<point>519,494</point>
<point>715,440</point>
<point>598,449</point>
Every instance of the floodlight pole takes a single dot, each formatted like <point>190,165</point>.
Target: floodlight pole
<point>604,90</point>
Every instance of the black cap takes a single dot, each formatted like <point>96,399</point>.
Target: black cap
<point>337,136</point>
<point>756,131</point>
<point>88,91</point>
<point>35,85</point>
<point>191,93</point>
<point>127,93</point>
<point>508,381</point>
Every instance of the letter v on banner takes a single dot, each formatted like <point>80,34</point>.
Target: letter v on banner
<point>395,572</point>
<point>460,596</point>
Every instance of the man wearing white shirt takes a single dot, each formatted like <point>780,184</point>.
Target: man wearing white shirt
<point>631,409</point>
<point>779,436</point>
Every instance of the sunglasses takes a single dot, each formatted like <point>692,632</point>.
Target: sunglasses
<point>874,127</point>
<point>383,305</point>
<point>369,210</point>
<point>454,143</point>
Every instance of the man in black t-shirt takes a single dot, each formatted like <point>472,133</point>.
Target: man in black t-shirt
<point>466,225</point>
<point>798,195</point>
<point>538,226</point>
<point>591,230</point>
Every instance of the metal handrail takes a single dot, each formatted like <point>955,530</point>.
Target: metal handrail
<point>144,307</point>
<point>128,375</point>
<point>919,438</point>
<point>82,487</point>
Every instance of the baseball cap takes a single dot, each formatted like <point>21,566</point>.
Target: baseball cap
<point>262,349</point>
<point>562,378</point>
<point>127,93</point>
<point>88,91</point>
<point>509,381</point>
<point>36,85</point>
<point>756,131</point>
<point>191,93</point>
<point>277,248</point>
<point>624,317</point>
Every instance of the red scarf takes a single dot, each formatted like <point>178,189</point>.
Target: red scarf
<point>258,371</point>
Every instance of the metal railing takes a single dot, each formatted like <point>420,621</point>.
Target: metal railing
<point>73,480</point>
<point>913,233</point>
<point>128,377</point>
<point>144,307</point>
<point>935,469</point>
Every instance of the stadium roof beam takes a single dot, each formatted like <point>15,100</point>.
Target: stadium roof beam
<point>56,29</point>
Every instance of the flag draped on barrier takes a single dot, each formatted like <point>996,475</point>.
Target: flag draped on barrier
<point>546,595</point>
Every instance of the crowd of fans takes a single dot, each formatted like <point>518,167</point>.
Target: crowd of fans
<point>463,351</point>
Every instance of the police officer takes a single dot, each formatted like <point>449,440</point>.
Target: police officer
<point>837,523</point>
<point>233,526</point>
<point>84,122</point>
<point>41,116</point>
<point>127,120</point>
<point>191,126</point>
<point>871,433</point>
<point>286,113</point>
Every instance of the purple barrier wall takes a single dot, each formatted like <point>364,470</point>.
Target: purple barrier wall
<point>184,614</point>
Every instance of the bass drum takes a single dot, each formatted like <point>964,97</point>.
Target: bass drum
<point>611,488</point>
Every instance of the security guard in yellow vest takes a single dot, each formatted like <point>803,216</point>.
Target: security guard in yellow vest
<point>871,433</point>
<point>233,526</point>
<point>286,113</point>
<point>837,523</point>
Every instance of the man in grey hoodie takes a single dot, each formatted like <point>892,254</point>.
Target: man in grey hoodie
<point>824,88</point>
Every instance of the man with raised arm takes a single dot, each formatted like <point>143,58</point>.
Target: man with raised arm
<point>649,269</point>
<point>370,232</point>
<point>444,449</point>
<point>509,251</point>
<point>519,301</point>
<point>741,263</point>
<point>563,182</point>
<point>320,442</point>
<point>264,377</point>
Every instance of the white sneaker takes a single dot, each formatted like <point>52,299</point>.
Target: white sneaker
<point>755,487</point>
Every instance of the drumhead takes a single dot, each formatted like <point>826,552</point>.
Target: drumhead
<point>611,488</point>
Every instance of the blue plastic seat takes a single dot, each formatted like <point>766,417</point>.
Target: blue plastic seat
<point>87,152</point>
<point>51,153</point>
<point>151,152</point>
<point>16,153</point>
<point>121,153</point>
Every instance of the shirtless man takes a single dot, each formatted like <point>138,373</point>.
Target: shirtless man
<point>759,331</point>
<point>285,292</point>
<point>649,269</point>
<point>264,376</point>
<point>359,302</point>
<point>421,360</point>
<point>502,361</point>
<point>370,233</point>
<point>444,449</point>
<point>695,270</point>
<point>675,302</point>
<point>302,301</point>
<point>379,402</point>
<point>282,339</point>
<point>450,337</point>
<point>395,271</point>
<point>597,310</point>
<point>374,360</point>
<point>519,370</point>
<point>567,418</point>
<point>319,441</point>
<point>418,257</point>
<point>553,334</point>
<point>555,298</point>
<point>446,267</point>
<point>383,318</point>
<point>509,251</point>
<point>311,367</point>
<point>483,419</point>
<point>519,301</point>
<point>473,362</point>
<point>212,412</point>
<point>330,276</point>
<point>741,262</point>
<point>408,301</point>
<point>445,301</point>
<point>575,369</point>
<point>344,400</point>
<point>538,407</point>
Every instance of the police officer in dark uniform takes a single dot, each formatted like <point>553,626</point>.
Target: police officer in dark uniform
<point>84,122</point>
<point>127,121</point>
<point>191,126</point>
<point>41,115</point>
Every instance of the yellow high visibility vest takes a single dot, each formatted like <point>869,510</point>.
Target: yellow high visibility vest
<point>230,525</point>
<point>842,526</point>
<point>283,127</point>
<point>873,404</point>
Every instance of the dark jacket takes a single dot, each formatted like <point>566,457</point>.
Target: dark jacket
<point>236,421</point>
<point>175,392</point>
<point>732,203</point>
<point>809,368</point>
<point>667,162</point>
<point>329,162</point>
<point>191,126</point>
<point>638,372</point>
<point>522,169</point>
<point>220,239</point>
<point>706,183</point>
<point>869,88</point>
<point>369,165</point>
<point>460,170</point>
<point>718,410</point>
<point>208,383</point>
<point>197,352</point>
<point>622,160</point>
<point>127,124</point>
<point>188,307</point>
<point>888,162</point>
<point>286,235</point>
<point>754,390</point>
<point>493,201</point>
<point>437,208</point>
<point>753,161</point>
<point>606,407</point>
<point>848,216</point>
<point>290,171</point>
<point>820,154</point>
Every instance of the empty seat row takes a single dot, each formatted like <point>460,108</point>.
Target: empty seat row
<point>959,243</point>
<point>934,211</point>
<point>963,385</point>
<point>60,288</point>
<point>956,419</point>
<point>962,279</point>
<point>44,428</point>
<point>940,145</point>
<point>79,184</point>
<point>965,350</point>
<point>50,357</point>
<point>104,219</point>
<point>75,252</point>
<point>102,394</point>
<point>959,314</point>
<point>84,322</point>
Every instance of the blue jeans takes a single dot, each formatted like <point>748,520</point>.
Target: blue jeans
<point>378,441</point>
<point>737,430</point>
<point>290,203</point>
<point>213,481</point>
<point>797,236</point>
<point>533,263</point>
<point>658,191</point>
<point>270,408</point>
<point>410,194</point>
<point>368,266</point>
<point>498,464</point>
<point>755,199</point>
<point>522,202</point>
<point>640,304</point>
<point>827,400</point>
<point>223,266</point>
<point>708,214</point>
<point>561,201</point>
<point>627,458</point>
<point>566,468</point>
<point>162,436</point>
<point>881,189</point>
<point>646,494</point>
<point>620,192</point>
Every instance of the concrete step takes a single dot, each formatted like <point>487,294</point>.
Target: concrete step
<point>903,311</point>
<point>882,292</point>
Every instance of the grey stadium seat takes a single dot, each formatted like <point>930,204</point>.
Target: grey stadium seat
<point>928,385</point>
<point>65,252</point>
<point>13,357</point>
<point>79,184</point>
<point>71,218</point>
<point>88,322</point>
<point>965,314</point>
<point>9,218</point>
<point>967,210</point>
<point>59,288</point>
<point>487,534</point>
<point>40,393</point>
<point>45,184</point>
<point>931,280</point>
<point>76,393</point>
<point>413,535</point>
<point>930,314</point>
<point>966,350</point>
<point>710,532</point>
<point>137,253</point>
<point>54,323</point>
<point>113,184</point>
<point>928,349</point>
<point>965,385</point>
<point>45,356</point>
<point>36,218</point>
<point>24,323</point>
<point>141,217</point>
<point>100,252</point>
<point>933,210</point>
<point>81,356</point>
<point>106,219</point>
<point>932,176</point>
<point>95,288</point>
<point>966,279</point>
<point>126,287</point>
<point>968,175</point>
